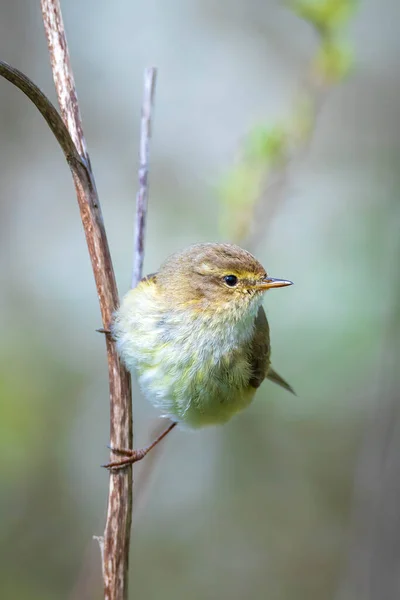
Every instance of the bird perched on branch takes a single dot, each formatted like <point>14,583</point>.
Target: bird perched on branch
<point>197,336</point>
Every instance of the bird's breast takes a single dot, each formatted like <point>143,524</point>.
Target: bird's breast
<point>194,367</point>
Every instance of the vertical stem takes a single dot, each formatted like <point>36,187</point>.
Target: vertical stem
<point>115,547</point>
<point>150,75</point>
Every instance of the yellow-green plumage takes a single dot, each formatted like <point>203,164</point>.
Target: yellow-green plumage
<point>200,348</point>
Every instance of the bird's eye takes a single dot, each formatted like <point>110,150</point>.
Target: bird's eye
<point>230,280</point>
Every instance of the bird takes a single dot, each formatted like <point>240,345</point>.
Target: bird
<point>196,335</point>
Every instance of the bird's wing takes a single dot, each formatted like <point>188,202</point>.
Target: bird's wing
<point>259,349</point>
<point>260,355</point>
<point>150,277</point>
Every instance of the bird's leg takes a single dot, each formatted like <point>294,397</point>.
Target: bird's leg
<point>133,456</point>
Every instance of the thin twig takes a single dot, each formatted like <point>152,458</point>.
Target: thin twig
<point>115,544</point>
<point>118,524</point>
<point>150,75</point>
<point>46,108</point>
<point>62,72</point>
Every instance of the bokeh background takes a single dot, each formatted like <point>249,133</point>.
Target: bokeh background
<point>298,497</point>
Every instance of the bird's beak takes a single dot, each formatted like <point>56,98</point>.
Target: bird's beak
<point>271,282</point>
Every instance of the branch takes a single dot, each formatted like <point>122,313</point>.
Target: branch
<point>150,75</point>
<point>68,131</point>
<point>118,524</point>
<point>46,108</point>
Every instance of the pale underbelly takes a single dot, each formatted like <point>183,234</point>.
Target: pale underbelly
<point>216,410</point>
<point>197,397</point>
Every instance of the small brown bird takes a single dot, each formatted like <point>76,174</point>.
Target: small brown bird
<point>197,335</point>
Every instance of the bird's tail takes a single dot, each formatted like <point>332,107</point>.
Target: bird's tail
<point>276,378</point>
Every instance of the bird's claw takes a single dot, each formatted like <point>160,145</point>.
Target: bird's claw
<point>131,456</point>
<point>122,451</point>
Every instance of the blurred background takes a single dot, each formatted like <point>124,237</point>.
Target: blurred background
<point>298,497</point>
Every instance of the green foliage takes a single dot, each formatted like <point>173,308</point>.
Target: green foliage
<point>266,145</point>
<point>269,148</point>
<point>333,61</point>
<point>327,16</point>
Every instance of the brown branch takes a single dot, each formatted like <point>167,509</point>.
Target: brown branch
<point>46,108</point>
<point>69,134</point>
<point>150,75</point>
<point>118,524</point>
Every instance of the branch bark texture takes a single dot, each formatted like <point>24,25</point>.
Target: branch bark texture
<point>118,525</point>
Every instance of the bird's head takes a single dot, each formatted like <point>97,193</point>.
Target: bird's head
<point>215,277</point>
